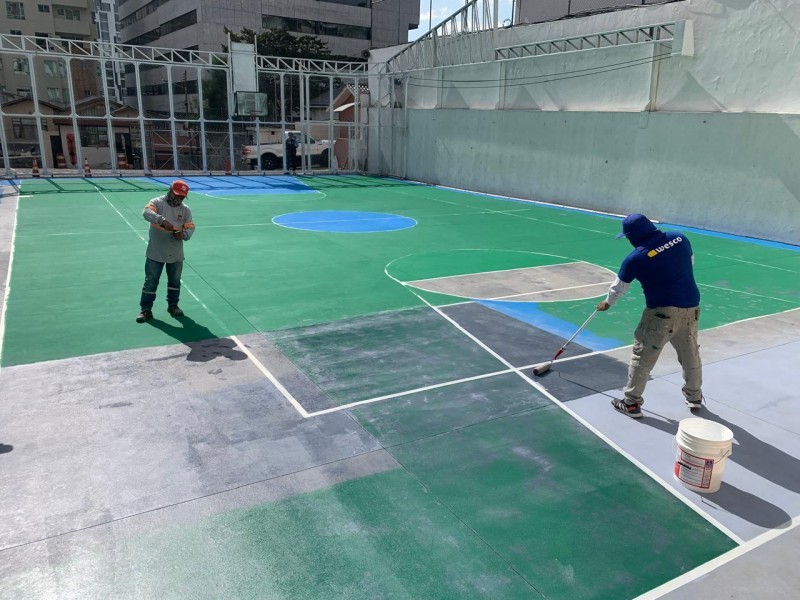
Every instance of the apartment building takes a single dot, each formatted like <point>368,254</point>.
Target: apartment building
<point>48,78</point>
<point>71,19</point>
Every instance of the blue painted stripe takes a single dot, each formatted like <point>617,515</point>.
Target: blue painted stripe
<point>344,221</point>
<point>530,313</point>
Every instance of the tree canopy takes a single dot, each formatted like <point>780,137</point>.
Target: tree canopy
<point>279,42</point>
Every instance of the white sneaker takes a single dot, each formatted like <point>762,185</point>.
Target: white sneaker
<point>692,404</point>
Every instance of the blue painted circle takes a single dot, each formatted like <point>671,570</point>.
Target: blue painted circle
<point>344,221</point>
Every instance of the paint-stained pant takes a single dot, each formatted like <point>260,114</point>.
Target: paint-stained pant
<point>152,274</point>
<point>678,326</point>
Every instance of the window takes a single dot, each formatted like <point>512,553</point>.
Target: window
<point>22,66</point>
<point>175,24</point>
<point>361,3</point>
<point>309,27</point>
<point>16,32</point>
<point>23,129</point>
<point>54,93</point>
<point>141,13</point>
<point>55,68</point>
<point>24,91</point>
<point>44,8</point>
<point>15,10</point>
<point>41,43</point>
<point>94,136</point>
<point>68,13</point>
<point>348,31</point>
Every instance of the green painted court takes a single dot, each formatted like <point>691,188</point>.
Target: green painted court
<point>347,409</point>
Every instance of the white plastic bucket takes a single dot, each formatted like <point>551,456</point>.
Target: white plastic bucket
<point>703,446</point>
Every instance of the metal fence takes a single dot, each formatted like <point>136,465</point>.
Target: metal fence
<point>454,41</point>
<point>177,113</point>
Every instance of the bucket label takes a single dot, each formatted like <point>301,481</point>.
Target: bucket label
<point>693,470</point>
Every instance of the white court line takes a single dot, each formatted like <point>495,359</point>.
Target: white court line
<point>716,287</point>
<point>652,474</point>
<point>716,563</point>
<point>415,282</point>
<point>525,200</point>
<point>748,262</point>
<point>564,289</point>
<point>409,392</point>
<point>535,202</point>
<point>237,225</point>
<point>271,377</point>
<point>8,283</point>
<point>236,340</point>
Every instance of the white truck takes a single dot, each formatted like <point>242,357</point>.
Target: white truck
<point>271,153</point>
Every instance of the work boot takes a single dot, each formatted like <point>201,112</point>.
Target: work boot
<point>143,316</point>
<point>174,310</point>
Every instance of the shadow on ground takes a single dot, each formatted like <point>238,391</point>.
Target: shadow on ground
<point>202,343</point>
<point>755,455</point>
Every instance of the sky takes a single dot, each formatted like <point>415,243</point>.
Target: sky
<point>443,9</point>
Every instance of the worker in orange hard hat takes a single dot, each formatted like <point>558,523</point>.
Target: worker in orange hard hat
<point>170,226</point>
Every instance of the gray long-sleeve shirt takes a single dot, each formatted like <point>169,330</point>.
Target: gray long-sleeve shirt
<point>163,247</point>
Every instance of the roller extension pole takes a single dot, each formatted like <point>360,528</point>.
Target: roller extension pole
<point>543,368</point>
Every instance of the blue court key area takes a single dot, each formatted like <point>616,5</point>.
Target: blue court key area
<point>344,221</point>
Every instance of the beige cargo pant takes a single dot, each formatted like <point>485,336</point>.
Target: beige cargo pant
<point>678,326</point>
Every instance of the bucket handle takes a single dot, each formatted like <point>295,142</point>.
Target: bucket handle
<point>718,460</point>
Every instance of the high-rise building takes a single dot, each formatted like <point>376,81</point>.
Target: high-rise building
<point>44,19</point>
<point>349,27</point>
<point>106,20</point>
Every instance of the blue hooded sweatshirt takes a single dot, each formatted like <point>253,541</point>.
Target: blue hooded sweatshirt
<point>661,262</point>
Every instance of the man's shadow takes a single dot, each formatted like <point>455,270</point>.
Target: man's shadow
<point>758,457</point>
<point>203,344</point>
<point>6,448</point>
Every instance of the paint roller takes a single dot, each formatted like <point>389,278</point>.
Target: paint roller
<point>544,367</point>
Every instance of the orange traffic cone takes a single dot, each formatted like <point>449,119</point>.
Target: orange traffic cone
<point>35,169</point>
<point>87,170</point>
<point>228,167</point>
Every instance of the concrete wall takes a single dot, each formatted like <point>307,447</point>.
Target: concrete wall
<point>720,150</point>
<point>738,173</point>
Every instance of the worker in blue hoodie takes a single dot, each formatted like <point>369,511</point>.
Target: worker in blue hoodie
<point>662,262</point>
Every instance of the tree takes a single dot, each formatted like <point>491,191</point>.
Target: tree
<point>279,42</point>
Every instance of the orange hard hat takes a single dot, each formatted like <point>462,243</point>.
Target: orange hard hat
<point>180,188</point>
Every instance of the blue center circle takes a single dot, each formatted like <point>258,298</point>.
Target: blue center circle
<point>344,221</point>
